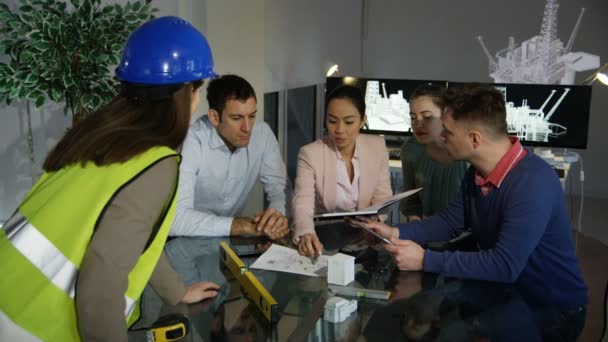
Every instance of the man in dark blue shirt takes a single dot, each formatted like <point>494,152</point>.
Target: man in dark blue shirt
<point>514,204</point>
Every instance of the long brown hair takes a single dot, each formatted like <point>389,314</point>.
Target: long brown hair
<point>123,129</point>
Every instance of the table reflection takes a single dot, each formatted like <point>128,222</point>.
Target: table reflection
<point>423,306</point>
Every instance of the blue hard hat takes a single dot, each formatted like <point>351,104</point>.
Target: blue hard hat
<point>166,50</point>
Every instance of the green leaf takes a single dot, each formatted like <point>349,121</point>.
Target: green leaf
<point>25,57</point>
<point>20,76</point>
<point>46,26</point>
<point>43,87</point>
<point>14,24</point>
<point>26,19</point>
<point>116,48</point>
<point>75,3</point>
<point>55,94</point>
<point>86,99</point>
<point>103,58</point>
<point>26,8</point>
<point>31,79</point>
<point>6,17</point>
<point>7,69</point>
<point>10,83</point>
<point>31,95</point>
<point>61,28</point>
<point>87,10</point>
<point>107,10</point>
<point>40,101</point>
<point>23,91</point>
<point>65,79</point>
<point>14,54</point>
<point>14,92</point>
<point>97,101</point>
<point>41,46</point>
<point>34,35</point>
<point>35,93</point>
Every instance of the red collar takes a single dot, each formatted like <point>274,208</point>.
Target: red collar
<point>505,164</point>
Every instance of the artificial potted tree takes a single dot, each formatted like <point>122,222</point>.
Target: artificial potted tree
<point>64,52</point>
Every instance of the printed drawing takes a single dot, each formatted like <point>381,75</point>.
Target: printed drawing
<point>284,259</point>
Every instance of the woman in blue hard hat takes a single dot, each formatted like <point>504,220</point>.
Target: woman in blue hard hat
<point>89,236</point>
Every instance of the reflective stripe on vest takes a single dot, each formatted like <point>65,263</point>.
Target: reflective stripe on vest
<point>47,258</point>
<point>43,245</point>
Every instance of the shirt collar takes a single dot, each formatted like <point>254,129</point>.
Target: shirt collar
<point>355,154</point>
<point>504,165</point>
<point>215,141</point>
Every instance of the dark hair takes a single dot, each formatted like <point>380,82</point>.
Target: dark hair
<point>125,128</point>
<point>477,103</point>
<point>348,92</point>
<point>435,92</point>
<point>228,87</point>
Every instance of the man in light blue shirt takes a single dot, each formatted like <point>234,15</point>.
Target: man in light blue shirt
<point>222,156</point>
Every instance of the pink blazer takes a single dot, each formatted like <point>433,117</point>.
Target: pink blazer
<point>316,179</point>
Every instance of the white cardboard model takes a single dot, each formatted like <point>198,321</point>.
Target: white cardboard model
<point>340,269</point>
<point>337,309</point>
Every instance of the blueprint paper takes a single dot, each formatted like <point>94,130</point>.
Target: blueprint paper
<point>284,259</point>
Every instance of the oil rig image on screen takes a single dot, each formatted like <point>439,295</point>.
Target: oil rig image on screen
<point>542,58</point>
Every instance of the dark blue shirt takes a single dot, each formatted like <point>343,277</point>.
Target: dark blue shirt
<point>523,232</point>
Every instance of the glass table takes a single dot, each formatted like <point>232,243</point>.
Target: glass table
<point>422,307</point>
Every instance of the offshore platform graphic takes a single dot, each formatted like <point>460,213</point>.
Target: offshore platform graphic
<point>386,112</point>
<point>542,58</point>
<point>533,124</point>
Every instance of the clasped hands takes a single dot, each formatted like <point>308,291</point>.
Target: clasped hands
<point>270,222</point>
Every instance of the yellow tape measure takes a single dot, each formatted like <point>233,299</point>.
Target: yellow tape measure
<point>167,328</point>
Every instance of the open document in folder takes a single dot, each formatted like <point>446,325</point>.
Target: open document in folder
<point>373,210</point>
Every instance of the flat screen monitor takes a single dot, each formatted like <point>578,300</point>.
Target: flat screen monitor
<point>547,115</point>
<point>544,115</point>
<point>386,102</point>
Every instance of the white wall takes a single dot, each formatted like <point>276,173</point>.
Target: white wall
<point>304,38</point>
<point>235,30</point>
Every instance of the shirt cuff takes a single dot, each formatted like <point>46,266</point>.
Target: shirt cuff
<point>433,261</point>
<point>223,226</point>
<point>280,207</point>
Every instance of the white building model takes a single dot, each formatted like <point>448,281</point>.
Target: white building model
<point>542,58</point>
<point>386,113</point>
<point>533,124</point>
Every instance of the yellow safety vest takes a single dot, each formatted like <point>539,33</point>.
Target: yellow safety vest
<point>42,245</point>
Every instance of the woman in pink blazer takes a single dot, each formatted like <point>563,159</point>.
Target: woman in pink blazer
<point>343,171</point>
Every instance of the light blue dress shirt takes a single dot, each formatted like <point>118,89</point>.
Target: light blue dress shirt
<point>214,183</point>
